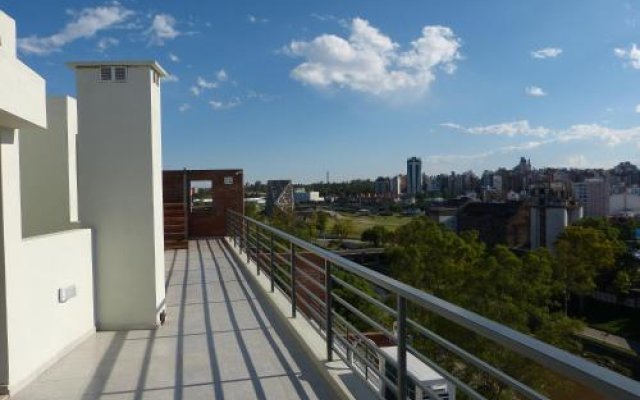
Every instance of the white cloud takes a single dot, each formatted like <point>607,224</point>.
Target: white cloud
<point>86,24</point>
<point>174,57</point>
<point>255,20</point>
<point>107,42</point>
<point>594,132</point>
<point>510,129</point>
<point>631,56</point>
<point>577,161</point>
<point>162,28</point>
<point>369,61</point>
<point>547,52</point>
<point>222,75</point>
<point>535,91</point>
<point>170,78</point>
<point>205,84</point>
<point>195,90</point>
<point>221,105</point>
<point>184,107</point>
<point>637,108</point>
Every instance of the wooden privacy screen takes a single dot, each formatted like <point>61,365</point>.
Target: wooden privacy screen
<point>196,201</point>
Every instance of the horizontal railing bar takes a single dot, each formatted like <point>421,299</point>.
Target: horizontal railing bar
<point>282,259</point>
<point>311,295</point>
<point>310,278</point>
<point>365,296</point>
<point>363,316</point>
<point>311,308</point>
<point>563,362</point>
<point>477,362</point>
<point>309,263</point>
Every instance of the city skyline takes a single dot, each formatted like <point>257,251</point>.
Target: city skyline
<point>294,90</point>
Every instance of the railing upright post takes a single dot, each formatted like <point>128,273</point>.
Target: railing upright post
<point>272,265</point>
<point>257,250</point>
<point>234,228</point>
<point>293,280</point>
<point>247,237</point>
<point>328,284</point>
<point>402,348</point>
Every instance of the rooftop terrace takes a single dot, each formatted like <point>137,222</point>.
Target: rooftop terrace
<point>219,341</point>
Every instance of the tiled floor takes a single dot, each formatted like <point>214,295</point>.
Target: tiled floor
<point>218,343</point>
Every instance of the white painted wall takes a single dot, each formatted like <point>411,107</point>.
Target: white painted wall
<point>48,177</point>
<point>34,327</point>
<point>120,193</point>
<point>40,327</point>
<point>22,102</point>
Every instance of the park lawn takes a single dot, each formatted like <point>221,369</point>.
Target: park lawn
<point>362,223</point>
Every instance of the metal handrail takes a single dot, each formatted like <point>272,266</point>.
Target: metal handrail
<point>560,361</point>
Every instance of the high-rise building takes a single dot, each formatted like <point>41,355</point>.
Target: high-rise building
<point>593,194</point>
<point>414,176</point>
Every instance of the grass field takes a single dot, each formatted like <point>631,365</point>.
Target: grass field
<point>361,223</point>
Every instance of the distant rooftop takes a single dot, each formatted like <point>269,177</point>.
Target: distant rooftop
<point>126,63</point>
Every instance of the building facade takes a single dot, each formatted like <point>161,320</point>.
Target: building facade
<point>414,176</point>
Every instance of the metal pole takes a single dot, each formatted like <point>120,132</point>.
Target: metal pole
<point>402,347</point>
<point>328,284</point>
<point>257,250</point>
<point>293,280</point>
<point>247,237</point>
<point>272,266</point>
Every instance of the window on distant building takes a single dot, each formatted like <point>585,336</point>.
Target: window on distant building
<point>113,74</point>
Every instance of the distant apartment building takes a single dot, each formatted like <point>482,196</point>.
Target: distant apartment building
<point>382,187</point>
<point>414,176</point>
<point>593,194</point>
<point>497,223</point>
<point>395,186</point>
<point>551,212</point>
<point>302,196</point>
<point>627,202</point>
<point>279,195</point>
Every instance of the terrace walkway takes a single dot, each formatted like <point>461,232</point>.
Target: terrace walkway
<point>219,342</point>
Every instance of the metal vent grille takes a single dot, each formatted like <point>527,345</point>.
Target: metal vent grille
<point>105,73</point>
<point>121,73</point>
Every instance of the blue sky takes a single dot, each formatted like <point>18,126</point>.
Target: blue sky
<point>292,89</point>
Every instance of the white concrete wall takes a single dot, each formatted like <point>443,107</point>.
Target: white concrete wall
<point>120,194</point>
<point>48,170</point>
<point>11,240</point>
<point>40,327</point>
<point>22,102</point>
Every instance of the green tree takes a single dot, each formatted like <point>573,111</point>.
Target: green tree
<point>520,292</point>
<point>581,254</point>
<point>622,283</point>
<point>342,228</point>
<point>322,219</point>
<point>378,235</point>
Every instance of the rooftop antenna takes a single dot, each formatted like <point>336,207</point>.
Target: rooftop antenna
<point>327,176</point>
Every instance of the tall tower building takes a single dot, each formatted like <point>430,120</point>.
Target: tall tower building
<point>593,194</point>
<point>414,176</point>
<point>120,188</point>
